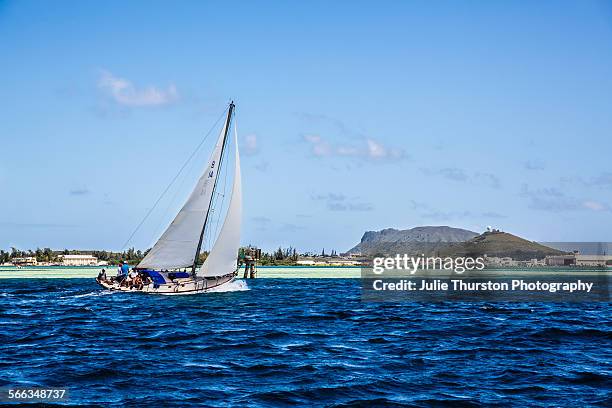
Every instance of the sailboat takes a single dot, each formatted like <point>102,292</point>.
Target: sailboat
<point>171,266</point>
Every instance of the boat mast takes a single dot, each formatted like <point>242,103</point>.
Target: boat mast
<point>230,112</point>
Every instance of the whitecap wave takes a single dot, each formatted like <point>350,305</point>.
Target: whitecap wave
<point>234,286</point>
<point>89,294</point>
<point>204,365</point>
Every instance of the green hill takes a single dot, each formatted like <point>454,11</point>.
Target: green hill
<point>500,244</point>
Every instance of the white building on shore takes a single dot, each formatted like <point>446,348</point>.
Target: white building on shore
<point>594,260</point>
<point>329,262</point>
<point>24,261</point>
<point>576,259</point>
<point>78,260</point>
<point>499,262</point>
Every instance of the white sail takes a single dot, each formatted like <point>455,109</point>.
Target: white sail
<point>222,258</point>
<point>177,246</point>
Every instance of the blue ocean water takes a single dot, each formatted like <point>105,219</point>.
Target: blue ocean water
<point>299,342</point>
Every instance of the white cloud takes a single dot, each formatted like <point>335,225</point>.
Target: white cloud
<point>347,151</point>
<point>460,175</point>
<point>250,145</point>
<point>367,148</point>
<point>321,149</point>
<point>356,144</point>
<point>340,202</point>
<point>450,173</point>
<point>376,150</point>
<point>312,138</point>
<point>552,199</point>
<point>319,146</point>
<point>123,92</point>
<point>596,206</point>
<point>548,199</point>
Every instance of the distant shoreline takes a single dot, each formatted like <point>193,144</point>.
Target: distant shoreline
<point>290,272</point>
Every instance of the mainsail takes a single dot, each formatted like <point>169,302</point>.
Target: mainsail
<point>222,257</point>
<point>177,246</point>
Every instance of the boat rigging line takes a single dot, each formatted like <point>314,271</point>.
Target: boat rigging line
<point>174,179</point>
<point>222,195</point>
<point>228,123</point>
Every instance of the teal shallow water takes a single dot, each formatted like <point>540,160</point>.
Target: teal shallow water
<point>50,272</point>
<point>92,272</point>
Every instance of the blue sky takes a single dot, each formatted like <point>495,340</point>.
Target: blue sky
<point>353,116</point>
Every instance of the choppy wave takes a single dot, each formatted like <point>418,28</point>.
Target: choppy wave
<point>97,293</point>
<point>299,342</point>
<point>233,286</point>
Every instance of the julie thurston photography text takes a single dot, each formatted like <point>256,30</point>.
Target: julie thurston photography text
<point>464,278</point>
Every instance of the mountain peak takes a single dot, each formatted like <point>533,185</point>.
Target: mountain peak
<point>389,239</point>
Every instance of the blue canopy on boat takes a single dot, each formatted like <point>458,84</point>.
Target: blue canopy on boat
<point>157,277</point>
<point>175,275</point>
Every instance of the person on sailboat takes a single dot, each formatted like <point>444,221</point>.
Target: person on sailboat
<point>122,271</point>
<point>125,268</point>
<point>131,277</point>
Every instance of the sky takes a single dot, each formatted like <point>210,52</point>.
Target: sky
<point>352,116</point>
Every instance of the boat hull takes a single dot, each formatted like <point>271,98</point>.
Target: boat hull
<point>173,287</point>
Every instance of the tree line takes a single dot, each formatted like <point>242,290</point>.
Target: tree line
<point>286,256</point>
<point>281,256</point>
<point>290,255</point>
<point>48,255</point>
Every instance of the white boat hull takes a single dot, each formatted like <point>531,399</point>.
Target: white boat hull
<point>172,287</point>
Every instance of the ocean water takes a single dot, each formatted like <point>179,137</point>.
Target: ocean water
<point>308,342</point>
